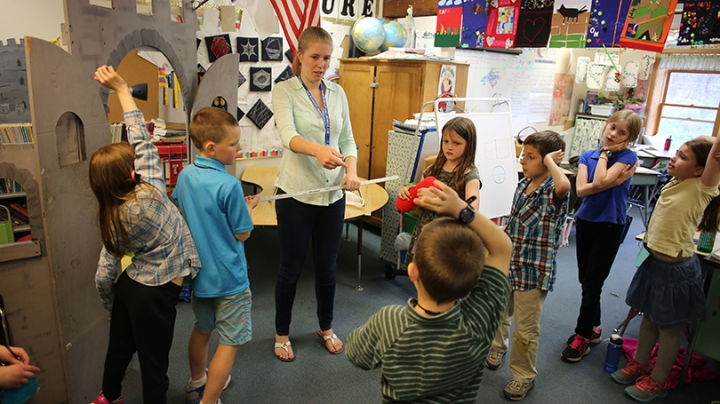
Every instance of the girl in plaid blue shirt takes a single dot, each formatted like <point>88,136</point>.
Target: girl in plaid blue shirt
<point>136,215</point>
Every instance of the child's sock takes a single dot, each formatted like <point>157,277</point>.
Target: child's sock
<point>193,384</point>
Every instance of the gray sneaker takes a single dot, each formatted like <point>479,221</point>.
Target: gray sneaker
<point>516,391</point>
<point>494,360</point>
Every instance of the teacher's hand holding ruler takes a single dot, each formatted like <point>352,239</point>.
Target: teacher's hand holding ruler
<point>330,159</point>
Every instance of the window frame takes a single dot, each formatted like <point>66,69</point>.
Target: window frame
<point>658,95</point>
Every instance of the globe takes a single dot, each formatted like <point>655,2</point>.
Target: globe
<point>395,35</point>
<point>368,34</point>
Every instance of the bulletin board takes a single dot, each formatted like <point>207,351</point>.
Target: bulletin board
<point>494,155</point>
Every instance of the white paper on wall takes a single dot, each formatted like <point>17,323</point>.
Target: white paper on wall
<point>583,63</point>
<point>610,83</point>
<point>211,22</point>
<point>596,76</point>
<point>630,73</point>
<point>646,64</point>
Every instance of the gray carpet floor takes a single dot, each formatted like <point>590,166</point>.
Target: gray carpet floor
<point>318,377</point>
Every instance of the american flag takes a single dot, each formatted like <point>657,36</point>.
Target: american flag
<point>295,16</point>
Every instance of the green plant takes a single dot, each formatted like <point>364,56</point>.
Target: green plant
<point>629,98</point>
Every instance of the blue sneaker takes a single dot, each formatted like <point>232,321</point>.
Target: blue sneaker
<point>194,396</point>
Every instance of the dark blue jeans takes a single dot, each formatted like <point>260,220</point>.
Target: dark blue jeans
<point>298,224</point>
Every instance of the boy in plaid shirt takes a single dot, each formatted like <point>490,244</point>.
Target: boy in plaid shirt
<point>539,209</point>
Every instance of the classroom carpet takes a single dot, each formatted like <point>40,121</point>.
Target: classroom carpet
<point>319,377</point>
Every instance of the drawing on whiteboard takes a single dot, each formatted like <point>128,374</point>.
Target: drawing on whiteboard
<point>491,78</point>
<point>497,149</point>
<point>498,174</point>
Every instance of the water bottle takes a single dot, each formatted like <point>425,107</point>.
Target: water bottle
<point>614,349</point>
<point>707,241</point>
<point>668,141</point>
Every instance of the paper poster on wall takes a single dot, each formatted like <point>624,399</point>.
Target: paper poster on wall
<point>606,22</point>
<point>648,24</point>
<point>502,25</point>
<point>562,94</point>
<point>700,23</point>
<point>541,91</point>
<point>489,73</point>
<point>474,24</point>
<point>569,23</point>
<point>494,158</point>
<point>534,23</point>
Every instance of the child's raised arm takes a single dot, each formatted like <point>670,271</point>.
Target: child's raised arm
<point>562,183</point>
<point>711,174</point>
<point>147,160</point>
<point>444,200</point>
<point>108,77</point>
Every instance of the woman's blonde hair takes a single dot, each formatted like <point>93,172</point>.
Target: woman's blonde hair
<point>112,182</point>
<point>631,119</point>
<point>309,36</point>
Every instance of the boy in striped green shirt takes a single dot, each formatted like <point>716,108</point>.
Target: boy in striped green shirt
<point>433,349</point>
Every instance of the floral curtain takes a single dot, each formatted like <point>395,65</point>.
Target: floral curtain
<point>702,62</point>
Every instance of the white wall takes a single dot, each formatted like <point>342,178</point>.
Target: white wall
<point>38,18</point>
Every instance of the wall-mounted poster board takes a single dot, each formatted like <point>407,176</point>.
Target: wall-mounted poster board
<point>494,156</point>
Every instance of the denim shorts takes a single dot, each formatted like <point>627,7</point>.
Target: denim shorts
<point>230,315</point>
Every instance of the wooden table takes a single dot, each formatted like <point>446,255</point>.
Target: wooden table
<point>263,178</point>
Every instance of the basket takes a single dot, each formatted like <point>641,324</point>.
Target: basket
<point>6,229</point>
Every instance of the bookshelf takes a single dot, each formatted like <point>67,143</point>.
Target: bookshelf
<point>14,198</point>
<point>16,133</point>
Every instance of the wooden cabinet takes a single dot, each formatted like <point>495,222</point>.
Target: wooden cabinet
<point>380,90</point>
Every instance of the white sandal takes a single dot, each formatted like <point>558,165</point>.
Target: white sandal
<point>285,346</point>
<point>332,339</point>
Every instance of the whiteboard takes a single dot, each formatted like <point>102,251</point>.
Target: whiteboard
<point>494,158</point>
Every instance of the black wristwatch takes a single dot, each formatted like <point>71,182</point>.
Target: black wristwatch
<point>607,152</point>
<point>467,214</point>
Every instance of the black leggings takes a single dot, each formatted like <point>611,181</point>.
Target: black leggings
<point>142,320</point>
<point>597,246</point>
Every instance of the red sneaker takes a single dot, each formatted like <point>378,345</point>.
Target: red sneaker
<point>579,347</point>
<point>101,399</point>
<point>646,389</point>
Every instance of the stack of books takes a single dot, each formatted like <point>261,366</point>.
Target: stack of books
<point>18,214</point>
<point>8,186</point>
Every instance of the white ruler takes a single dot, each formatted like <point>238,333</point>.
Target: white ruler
<point>321,190</point>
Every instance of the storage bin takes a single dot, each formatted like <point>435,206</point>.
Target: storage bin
<point>602,110</point>
<point>409,220</point>
<point>6,231</point>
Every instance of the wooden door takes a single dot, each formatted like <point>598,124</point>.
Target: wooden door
<point>356,80</point>
<point>397,96</point>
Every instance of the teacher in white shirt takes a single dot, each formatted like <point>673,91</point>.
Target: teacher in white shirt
<point>314,122</point>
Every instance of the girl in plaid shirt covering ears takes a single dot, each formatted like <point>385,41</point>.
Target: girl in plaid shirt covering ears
<point>136,215</point>
<point>455,166</point>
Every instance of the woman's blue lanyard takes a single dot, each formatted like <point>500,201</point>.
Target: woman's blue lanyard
<point>324,114</point>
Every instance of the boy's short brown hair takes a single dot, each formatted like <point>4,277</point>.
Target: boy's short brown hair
<point>545,142</point>
<point>210,124</point>
<point>449,257</point>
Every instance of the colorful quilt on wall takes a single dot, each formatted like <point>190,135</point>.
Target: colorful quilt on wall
<point>474,24</point>
<point>700,24</point>
<point>648,24</point>
<point>449,23</point>
<point>607,18</point>
<point>570,23</point>
<point>534,23</point>
<point>502,24</point>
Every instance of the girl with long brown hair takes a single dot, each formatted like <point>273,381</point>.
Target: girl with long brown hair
<point>135,215</point>
<point>455,166</point>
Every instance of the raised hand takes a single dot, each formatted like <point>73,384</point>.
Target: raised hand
<point>108,77</point>
<point>441,199</point>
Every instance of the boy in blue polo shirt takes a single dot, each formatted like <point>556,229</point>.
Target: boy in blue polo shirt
<point>218,215</point>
